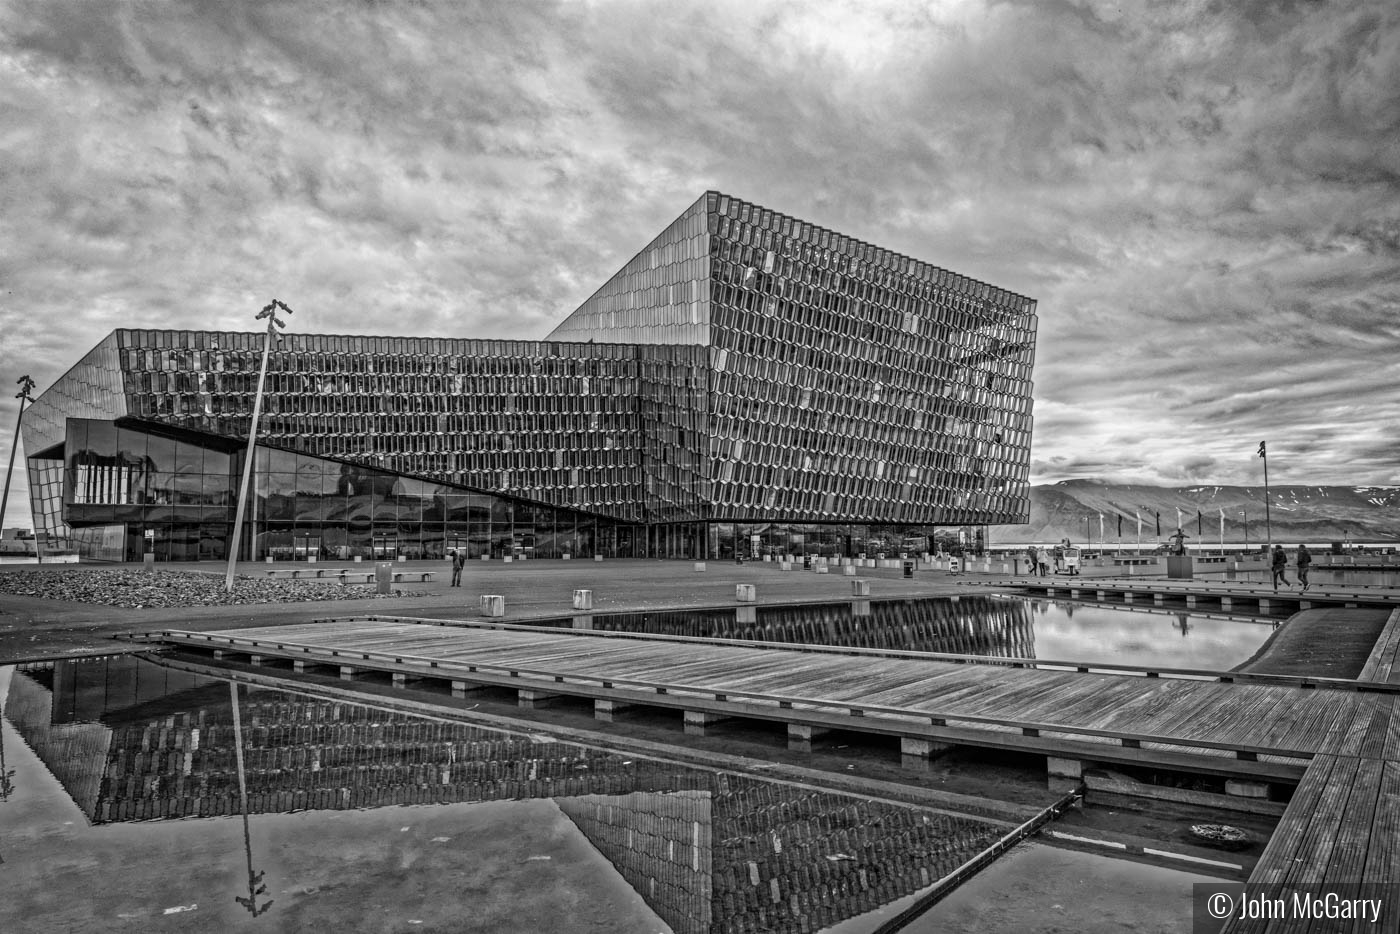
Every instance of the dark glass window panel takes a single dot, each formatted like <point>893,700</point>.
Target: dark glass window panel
<point>101,438</point>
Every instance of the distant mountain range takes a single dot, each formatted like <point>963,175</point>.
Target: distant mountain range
<point>1071,509</point>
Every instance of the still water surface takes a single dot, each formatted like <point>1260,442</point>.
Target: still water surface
<point>128,782</point>
<point>138,796</point>
<point>975,625</point>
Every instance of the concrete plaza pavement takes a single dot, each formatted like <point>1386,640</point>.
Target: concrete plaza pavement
<point>33,628</point>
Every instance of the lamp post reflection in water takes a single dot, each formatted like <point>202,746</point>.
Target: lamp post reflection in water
<point>7,787</point>
<point>255,883</point>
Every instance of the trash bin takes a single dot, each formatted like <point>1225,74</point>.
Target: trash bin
<point>384,577</point>
<point>908,569</point>
<point>806,562</point>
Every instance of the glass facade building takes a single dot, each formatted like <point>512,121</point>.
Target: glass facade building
<point>749,383</point>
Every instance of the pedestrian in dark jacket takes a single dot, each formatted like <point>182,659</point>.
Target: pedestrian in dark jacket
<point>1279,566</point>
<point>1034,560</point>
<point>458,559</point>
<point>1304,561</point>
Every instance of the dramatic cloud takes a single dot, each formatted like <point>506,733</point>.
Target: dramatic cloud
<point>1203,197</point>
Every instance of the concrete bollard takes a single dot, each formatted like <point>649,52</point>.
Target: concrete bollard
<point>699,565</point>
<point>493,605</point>
<point>860,588</point>
<point>583,599</point>
<point>822,569</point>
<point>784,565</point>
<point>597,557</point>
<point>745,593</point>
<point>566,556</point>
<point>848,570</point>
<point>507,559</point>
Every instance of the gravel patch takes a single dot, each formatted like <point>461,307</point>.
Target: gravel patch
<point>139,589</point>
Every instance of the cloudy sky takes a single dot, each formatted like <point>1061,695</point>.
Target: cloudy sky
<point>1203,197</point>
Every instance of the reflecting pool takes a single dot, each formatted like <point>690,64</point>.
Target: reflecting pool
<point>140,796</point>
<point>972,625</point>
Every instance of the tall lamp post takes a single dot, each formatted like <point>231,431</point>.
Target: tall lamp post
<point>1268,527</point>
<point>26,386</point>
<point>270,313</point>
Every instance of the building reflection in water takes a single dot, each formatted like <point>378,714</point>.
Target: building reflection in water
<point>970,625</point>
<point>708,851</point>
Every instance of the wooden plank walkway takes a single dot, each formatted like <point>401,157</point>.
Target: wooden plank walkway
<point>1383,664</point>
<point>1263,731</point>
<point>1341,828</point>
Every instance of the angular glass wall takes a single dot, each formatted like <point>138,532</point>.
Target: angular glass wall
<point>551,422</point>
<point>850,383</point>
<point>307,506</point>
<point>660,297</point>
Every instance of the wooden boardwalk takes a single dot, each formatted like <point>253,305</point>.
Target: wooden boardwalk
<point>1264,731</point>
<point>1342,827</point>
<point>1340,747</point>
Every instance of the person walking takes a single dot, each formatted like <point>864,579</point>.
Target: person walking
<point>1059,554</point>
<point>458,559</point>
<point>1280,564</point>
<point>1034,560</point>
<point>1304,561</point>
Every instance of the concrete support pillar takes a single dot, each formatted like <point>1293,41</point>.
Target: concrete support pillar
<point>800,736</point>
<point>220,653</point>
<point>697,720</point>
<point>1241,788</point>
<point>746,614</point>
<point>1190,599</point>
<point>347,673</point>
<point>528,698</point>
<point>1128,597</point>
<point>1159,599</point>
<point>1265,605</point>
<point>399,679</point>
<point>461,688</point>
<point>255,659</point>
<point>298,665</point>
<point>1226,603</point>
<point>1063,774</point>
<point>607,710</point>
<point>583,622</point>
<point>922,748</point>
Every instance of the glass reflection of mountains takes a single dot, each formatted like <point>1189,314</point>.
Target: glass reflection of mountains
<point>132,740</point>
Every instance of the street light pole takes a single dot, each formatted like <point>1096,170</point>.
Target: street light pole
<point>26,386</point>
<point>1268,527</point>
<point>270,313</point>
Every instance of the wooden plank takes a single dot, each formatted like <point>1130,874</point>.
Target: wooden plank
<point>1277,859</point>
